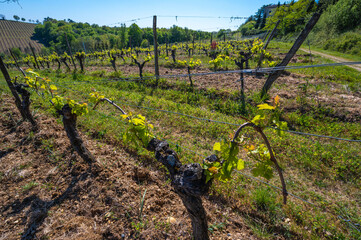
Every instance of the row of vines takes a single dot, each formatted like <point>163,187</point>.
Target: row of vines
<point>190,181</point>
<point>219,56</point>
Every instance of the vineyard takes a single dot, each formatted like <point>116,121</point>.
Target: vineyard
<point>203,149</point>
<point>17,35</point>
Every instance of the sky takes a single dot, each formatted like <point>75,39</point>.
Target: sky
<point>206,15</point>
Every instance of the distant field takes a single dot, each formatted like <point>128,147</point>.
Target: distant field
<point>17,34</point>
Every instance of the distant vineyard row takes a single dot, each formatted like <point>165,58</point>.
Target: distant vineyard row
<point>17,34</point>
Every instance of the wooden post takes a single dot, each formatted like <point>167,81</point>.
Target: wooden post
<point>301,38</point>
<point>265,36</point>
<point>240,65</point>
<point>166,44</point>
<point>36,60</point>
<point>16,63</point>
<point>11,86</point>
<point>156,66</point>
<point>274,30</point>
<point>268,41</point>
<point>71,54</point>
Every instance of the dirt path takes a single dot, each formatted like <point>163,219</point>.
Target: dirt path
<point>333,58</point>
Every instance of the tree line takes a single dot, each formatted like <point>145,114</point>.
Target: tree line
<point>82,36</point>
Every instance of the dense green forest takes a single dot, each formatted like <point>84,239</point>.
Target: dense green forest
<point>53,33</point>
<point>338,29</point>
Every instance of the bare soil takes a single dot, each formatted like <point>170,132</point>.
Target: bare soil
<point>47,192</point>
<point>316,92</point>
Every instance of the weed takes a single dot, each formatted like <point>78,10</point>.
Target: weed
<point>49,186</point>
<point>142,200</point>
<point>265,199</point>
<point>47,145</point>
<point>111,215</point>
<point>216,226</point>
<point>29,186</point>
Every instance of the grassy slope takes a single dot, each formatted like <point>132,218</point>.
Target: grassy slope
<point>334,53</point>
<point>322,171</point>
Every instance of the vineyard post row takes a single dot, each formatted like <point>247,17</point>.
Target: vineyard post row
<point>207,119</point>
<point>342,217</point>
<point>190,181</point>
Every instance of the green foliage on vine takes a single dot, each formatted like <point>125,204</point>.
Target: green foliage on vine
<point>138,130</point>
<point>228,149</point>
<point>39,84</point>
<point>95,97</point>
<point>272,118</point>
<point>226,152</point>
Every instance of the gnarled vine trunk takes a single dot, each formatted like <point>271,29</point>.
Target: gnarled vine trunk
<point>69,122</point>
<point>23,106</point>
<point>189,182</point>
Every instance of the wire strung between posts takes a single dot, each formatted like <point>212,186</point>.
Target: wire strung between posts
<point>316,135</point>
<point>216,121</point>
<point>353,225</point>
<point>245,71</point>
<point>131,20</point>
<point>232,18</point>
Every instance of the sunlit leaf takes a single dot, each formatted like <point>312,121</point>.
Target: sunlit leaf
<point>217,146</point>
<point>240,164</point>
<point>265,106</point>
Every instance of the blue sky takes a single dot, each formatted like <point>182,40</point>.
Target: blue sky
<point>108,12</point>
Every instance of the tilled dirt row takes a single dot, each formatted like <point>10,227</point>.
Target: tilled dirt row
<point>47,192</point>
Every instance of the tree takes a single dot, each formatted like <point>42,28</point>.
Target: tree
<point>345,14</point>
<point>291,16</point>
<point>324,4</point>
<point>123,36</point>
<point>176,34</point>
<point>16,17</point>
<point>23,19</point>
<point>258,20</point>
<point>263,22</point>
<point>135,35</point>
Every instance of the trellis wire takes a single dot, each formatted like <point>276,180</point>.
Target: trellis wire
<point>220,122</point>
<point>245,71</point>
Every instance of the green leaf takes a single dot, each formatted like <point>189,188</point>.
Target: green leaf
<point>240,164</point>
<point>217,146</point>
<point>265,106</point>
<point>257,119</point>
<point>263,170</point>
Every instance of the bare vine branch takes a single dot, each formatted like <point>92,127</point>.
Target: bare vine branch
<point>272,156</point>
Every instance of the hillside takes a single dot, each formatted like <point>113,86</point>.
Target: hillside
<point>338,29</point>
<point>17,34</point>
